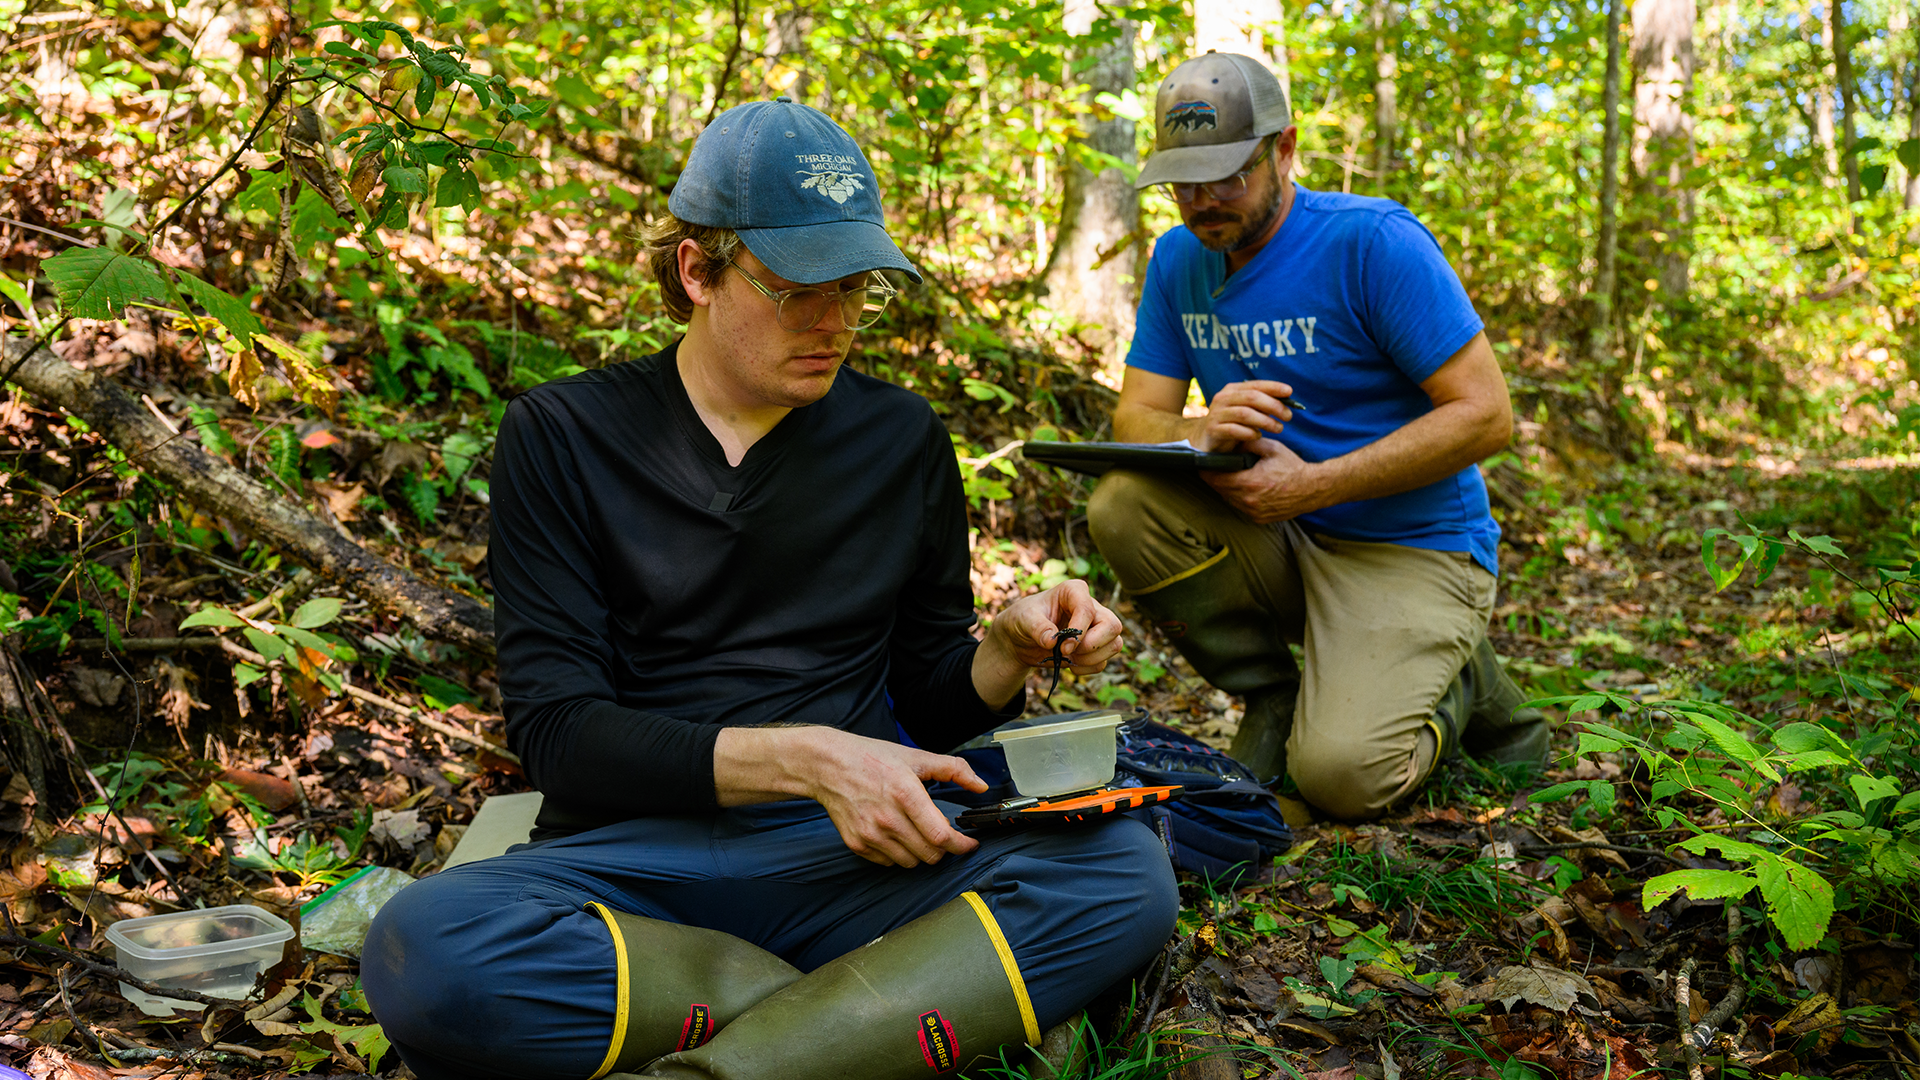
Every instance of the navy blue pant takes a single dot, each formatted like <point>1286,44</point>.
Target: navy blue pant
<point>497,969</point>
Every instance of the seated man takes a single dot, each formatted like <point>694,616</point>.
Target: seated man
<point>1363,532</point>
<point>732,608</point>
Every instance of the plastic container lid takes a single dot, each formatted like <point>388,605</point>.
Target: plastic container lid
<point>1111,719</point>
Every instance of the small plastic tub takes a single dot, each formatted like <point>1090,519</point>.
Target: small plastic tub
<point>218,952</point>
<point>1054,759</point>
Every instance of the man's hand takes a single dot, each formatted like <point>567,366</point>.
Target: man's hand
<point>1241,413</point>
<point>874,791</point>
<point>1279,488</point>
<point>1022,637</point>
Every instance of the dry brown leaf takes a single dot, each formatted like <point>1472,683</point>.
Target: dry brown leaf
<point>1590,915</point>
<point>1537,984</point>
<point>276,1027</point>
<point>270,791</point>
<point>1818,1013</point>
<point>1592,835</point>
<point>1556,936</point>
<point>342,502</point>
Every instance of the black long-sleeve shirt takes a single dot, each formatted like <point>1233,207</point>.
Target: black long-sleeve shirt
<point>649,594</point>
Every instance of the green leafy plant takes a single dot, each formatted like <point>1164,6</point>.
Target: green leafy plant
<point>1866,848</point>
<point>295,643</point>
<point>311,858</point>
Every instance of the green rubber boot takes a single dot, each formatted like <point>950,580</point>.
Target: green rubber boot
<point>679,985</point>
<point>1480,714</point>
<point>928,998</point>
<point>1210,615</point>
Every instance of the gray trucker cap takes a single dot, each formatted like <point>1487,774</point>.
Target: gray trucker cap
<point>794,186</point>
<point>1209,116</point>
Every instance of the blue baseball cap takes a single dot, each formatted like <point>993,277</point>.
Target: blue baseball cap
<point>796,189</point>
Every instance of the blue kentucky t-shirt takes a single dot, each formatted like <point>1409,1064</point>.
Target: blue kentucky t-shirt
<point>1353,305</point>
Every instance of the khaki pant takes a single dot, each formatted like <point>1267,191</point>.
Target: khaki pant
<point>1385,627</point>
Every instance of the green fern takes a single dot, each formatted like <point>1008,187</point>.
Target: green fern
<point>423,496</point>
<point>212,436</point>
<point>285,459</point>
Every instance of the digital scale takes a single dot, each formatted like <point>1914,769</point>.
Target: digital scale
<point>1073,808</point>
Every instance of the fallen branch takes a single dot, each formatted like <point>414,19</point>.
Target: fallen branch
<point>108,971</point>
<point>1643,852</point>
<point>220,489</point>
<point>1701,1037</point>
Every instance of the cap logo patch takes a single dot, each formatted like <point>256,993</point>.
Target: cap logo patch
<point>937,1043</point>
<point>831,175</point>
<point>697,1029</point>
<point>1192,116</point>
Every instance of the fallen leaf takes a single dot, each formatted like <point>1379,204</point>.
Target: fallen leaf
<point>1592,835</point>
<point>1785,800</point>
<point>1818,1016</point>
<point>1881,976</point>
<point>270,791</point>
<point>1556,935</point>
<point>342,502</point>
<point>1538,984</point>
<point>1387,979</point>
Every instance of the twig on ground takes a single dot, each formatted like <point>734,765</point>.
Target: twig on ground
<point>1180,961</point>
<point>1644,852</point>
<point>1701,1037</point>
<point>108,971</point>
<point>1683,1017</point>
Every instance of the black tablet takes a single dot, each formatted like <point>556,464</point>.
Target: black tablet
<point>1094,458</point>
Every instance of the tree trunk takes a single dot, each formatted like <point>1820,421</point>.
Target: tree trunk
<point>1256,28</point>
<point>1604,279</point>
<point>222,490</point>
<point>1820,40</point>
<point>1663,132</point>
<point>786,52</point>
<point>1092,274</point>
<point>1843,75</point>
<point>1386,118</point>
<point>1913,130</point>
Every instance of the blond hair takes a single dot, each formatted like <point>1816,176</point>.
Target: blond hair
<point>717,247</point>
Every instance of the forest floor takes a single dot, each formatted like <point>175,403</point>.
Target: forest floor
<point>1474,934</point>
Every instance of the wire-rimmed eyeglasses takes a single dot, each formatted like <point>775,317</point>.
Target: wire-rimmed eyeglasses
<point>801,309</point>
<point>1225,190</point>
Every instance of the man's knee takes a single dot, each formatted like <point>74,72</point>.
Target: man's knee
<point>1149,920</point>
<point>1341,782</point>
<point>423,970</point>
<point>1146,527</point>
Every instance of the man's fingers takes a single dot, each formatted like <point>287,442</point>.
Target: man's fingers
<point>952,769</point>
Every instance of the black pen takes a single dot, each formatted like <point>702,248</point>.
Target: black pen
<point>1295,405</point>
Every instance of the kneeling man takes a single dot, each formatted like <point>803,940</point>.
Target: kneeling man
<point>1363,532</point>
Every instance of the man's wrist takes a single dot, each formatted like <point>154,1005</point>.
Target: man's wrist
<point>998,673</point>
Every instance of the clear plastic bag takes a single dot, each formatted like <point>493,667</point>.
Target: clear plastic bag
<point>336,921</point>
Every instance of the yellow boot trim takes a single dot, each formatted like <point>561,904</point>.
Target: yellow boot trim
<point>1027,1019</point>
<point>622,998</point>
<point>1185,574</point>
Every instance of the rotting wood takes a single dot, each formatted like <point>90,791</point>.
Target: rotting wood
<point>219,488</point>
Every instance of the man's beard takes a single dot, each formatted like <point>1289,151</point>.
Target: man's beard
<point>1235,239</point>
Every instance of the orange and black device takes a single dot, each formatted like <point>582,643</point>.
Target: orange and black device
<point>1029,812</point>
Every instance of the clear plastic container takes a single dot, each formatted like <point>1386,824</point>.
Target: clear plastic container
<point>218,952</point>
<point>1054,759</point>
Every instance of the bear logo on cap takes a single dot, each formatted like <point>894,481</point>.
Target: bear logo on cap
<point>1191,116</point>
